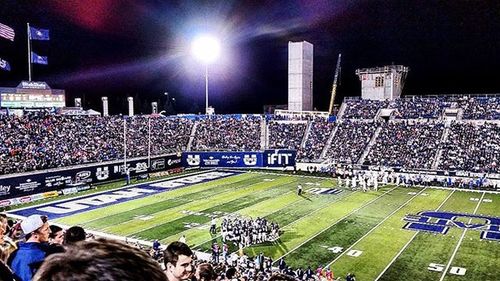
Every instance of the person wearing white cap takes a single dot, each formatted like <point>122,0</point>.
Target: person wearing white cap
<point>30,254</point>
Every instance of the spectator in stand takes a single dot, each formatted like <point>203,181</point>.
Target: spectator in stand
<point>178,259</point>
<point>74,234</point>
<point>205,272</point>
<point>25,261</point>
<point>5,251</point>
<point>100,259</point>
<point>56,235</point>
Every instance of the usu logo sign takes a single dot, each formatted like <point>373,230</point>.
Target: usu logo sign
<point>250,160</point>
<point>280,158</point>
<point>440,222</point>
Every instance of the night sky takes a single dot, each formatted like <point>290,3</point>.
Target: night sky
<point>139,48</point>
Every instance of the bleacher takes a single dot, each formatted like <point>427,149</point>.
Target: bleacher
<point>416,135</point>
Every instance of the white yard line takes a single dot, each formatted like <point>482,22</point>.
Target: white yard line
<point>339,220</point>
<point>375,227</point>
<point>460,241</point>
<point>143,206</point>
<point>336,199</point>
<point>205,241</point>
<point>313,212</point>
<point>411,239</point>
<point>163,222</point>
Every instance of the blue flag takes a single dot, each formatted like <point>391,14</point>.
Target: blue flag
<point>38,59</point>
<point>4,65</point>
<point>39,34</point>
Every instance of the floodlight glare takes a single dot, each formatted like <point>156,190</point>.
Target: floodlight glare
<point>206,48</point>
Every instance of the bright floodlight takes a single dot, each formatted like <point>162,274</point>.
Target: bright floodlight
<point>206,48</point>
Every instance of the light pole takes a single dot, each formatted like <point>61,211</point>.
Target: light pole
<point>149,141</point>
<point>124,144</point>
<point>206,49</point>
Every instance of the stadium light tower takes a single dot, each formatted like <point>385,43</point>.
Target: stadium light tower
<point>206,49</point>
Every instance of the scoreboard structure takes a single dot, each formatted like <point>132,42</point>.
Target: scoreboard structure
<point>30,94</point>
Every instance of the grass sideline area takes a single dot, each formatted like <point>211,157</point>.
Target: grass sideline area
<point>350,231</point>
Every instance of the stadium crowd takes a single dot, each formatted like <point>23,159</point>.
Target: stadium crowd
<point>406,144</point>
<point>316,140</point>
<point>33,249</point>
<point>418,108</point>
<point>227,134</point>
<point>472,147</point>
<point>40,140</point>
<point>362,109</point>
<point>481,108</point>
<point>350,141</point>
<point>287,135</point>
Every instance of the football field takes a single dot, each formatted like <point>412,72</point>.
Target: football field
<point>395,233</point>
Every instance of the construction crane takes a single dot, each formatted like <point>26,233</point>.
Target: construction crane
<point>334,87</point>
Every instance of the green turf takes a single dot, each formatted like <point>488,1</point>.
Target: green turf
<point>347,231</point>
<point>479,257</point>
<point>379,247</point>
<point>429,248</point>
<point>370,222</point>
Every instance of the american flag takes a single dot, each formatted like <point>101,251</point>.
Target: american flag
<point>7,32</point>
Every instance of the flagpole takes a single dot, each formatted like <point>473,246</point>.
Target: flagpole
<point>29,52</point>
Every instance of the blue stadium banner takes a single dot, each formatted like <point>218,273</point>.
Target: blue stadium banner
<point>39,59</point>
<point>222,159</point>
<point>39,34</point>
<point>279,158</point>
<point>4,65</point>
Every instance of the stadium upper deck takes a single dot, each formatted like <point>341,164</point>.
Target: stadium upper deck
<point>415,135</point>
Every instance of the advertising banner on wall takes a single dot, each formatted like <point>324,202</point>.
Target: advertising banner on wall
<point>222,159</point>
<point>39,182</point>
<point>279,158</point>
<point>269,158</point>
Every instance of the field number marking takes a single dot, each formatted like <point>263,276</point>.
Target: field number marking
<point>354,253</point>
<point>455,270</point>
<point>336,249</point>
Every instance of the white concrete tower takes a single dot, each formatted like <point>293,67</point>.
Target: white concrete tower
<point>300,76</point>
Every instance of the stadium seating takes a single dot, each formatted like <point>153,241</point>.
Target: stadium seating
<point>407,145</point>
<point>39,140</point>
<point>287,135</point>
<point>350,140</point>
<point>472,147</point>
<point>227,134</point>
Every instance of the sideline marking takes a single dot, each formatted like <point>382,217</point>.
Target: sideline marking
<point>88,202</point>
<point>411,239</point>
<point>460,241</point>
